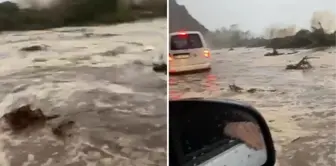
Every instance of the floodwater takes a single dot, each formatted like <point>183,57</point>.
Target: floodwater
<point>99,77</point>
<point>300,113</point>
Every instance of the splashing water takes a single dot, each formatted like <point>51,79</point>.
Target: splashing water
<point>300,113</point>
<point>99,77</point>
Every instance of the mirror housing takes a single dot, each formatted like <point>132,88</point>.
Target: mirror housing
<point>177,108</point>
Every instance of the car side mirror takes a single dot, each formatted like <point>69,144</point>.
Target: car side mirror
<point>211,132</point>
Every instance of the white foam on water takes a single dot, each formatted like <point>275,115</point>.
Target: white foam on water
<point>65,48</point>
<point>291,100</point>
<point>140,41</point>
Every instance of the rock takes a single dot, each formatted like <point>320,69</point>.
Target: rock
<point>160,68</point>
<point>274,53</point>
<point>34,48</point>
<point>231,49</point>
<point>236,88</point>
<point>62,129</point>
<point>116,51</point>
<point>23,117</point>
<point>252,90</point>
<point>89,34</point>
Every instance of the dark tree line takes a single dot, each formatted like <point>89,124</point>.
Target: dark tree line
<point>77,12</point>
<point>234,37</point>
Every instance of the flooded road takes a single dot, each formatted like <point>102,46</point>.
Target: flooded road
<point>99,77</point>
<point>301,112</point>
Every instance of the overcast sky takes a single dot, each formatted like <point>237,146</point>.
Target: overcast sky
<point>255,15</point>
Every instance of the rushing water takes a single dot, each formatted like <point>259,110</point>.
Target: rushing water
<point>99,77</point>
<point>301,112</point>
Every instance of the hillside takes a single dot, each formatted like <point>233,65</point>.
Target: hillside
<point>180,19</point>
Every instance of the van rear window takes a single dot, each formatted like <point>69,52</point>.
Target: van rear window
<point>185,41</point>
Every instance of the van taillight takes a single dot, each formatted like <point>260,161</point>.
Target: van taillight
<point>170,57</point>
<point>207,53</point>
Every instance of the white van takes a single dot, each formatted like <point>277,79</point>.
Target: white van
<point>188,52</point>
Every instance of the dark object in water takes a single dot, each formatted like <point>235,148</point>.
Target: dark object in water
<point>62,129</point>
<point>301,65</point>
<point>116,51</point>
<point>34,48</point>
<point>231,49</point>
<point>162,68</point>
<point>294,52</point>
<point>236,88</point>
<point>23,117</point>
<point>274,53</point>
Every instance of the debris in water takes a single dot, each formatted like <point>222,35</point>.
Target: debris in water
<point>23,117</point>
<point>90,34</point>
<point>162,68</point>
<point>301,65</point>
<point>274,53</point>
<point>236,88</point>
<point>135,43</point>
<point>34,48</point>
<point>148,48</point>
<point>138,62</point>
<point>231,49</point>
<point>62,129</point>
<point>116,51</point>
<point>294,52</point>
<point>296,139</point>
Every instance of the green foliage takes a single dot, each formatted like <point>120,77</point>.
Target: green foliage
<point>77,12</point>
<point>305,39</point>
<point>234,37</point>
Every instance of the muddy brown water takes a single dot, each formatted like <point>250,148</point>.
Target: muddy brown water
<point>117,102</point>
<point>301,112</point>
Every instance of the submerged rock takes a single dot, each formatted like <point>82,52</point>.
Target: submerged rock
<point>62,130</point>
<point>116,51</point>
<point>160,68</point>
<point>34,48</point>
<point>89,35</point>
<point>274,53</point>
<point>23,117</point>
<point>236,88</point>
<point>294,52</point>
